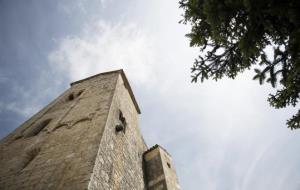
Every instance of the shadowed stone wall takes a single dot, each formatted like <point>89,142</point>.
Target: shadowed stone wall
<point>160,171</point>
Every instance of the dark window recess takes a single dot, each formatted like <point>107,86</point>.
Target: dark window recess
<point>71,97</point>
<point>169,165</point>
<point>36,129</point>
<point>119,128</point>
<point>123,124</point>
<point>30,156</point>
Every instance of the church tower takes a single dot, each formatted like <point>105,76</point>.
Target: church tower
<point>87,138</point>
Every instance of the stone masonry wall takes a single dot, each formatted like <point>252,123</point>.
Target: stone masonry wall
<point>160,171</point>
<point>119,163</point>
<point>61,155</point>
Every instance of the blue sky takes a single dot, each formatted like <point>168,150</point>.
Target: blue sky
<point>222,135</point>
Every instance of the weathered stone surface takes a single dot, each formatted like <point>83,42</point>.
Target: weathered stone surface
<point>88,138</point>
<point>119,161</point>
<point>160,172</point>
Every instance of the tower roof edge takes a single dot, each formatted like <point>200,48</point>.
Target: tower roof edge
<point>126,83</point>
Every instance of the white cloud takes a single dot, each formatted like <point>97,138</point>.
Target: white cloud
<point>102,47</point>
<point>26,100</point>
<point>22,110</point>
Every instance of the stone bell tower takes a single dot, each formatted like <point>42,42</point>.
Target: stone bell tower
<point>87,138</point>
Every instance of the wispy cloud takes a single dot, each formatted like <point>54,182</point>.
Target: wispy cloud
<point>25,101</point>
<point>102,47</point>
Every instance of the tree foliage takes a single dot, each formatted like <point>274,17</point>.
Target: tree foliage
<point>235,35</point>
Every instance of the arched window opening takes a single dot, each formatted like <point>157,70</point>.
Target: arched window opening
<point>122,123</point>
<point>36,129</point>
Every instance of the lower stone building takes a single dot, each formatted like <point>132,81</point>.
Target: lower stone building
<point>87,138</point>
